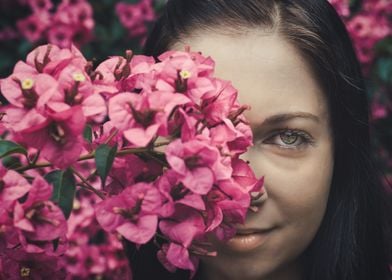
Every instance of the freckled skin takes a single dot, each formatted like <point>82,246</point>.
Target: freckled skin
<point>273,78</point>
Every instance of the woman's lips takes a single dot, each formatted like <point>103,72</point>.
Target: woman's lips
<point>246,240</point>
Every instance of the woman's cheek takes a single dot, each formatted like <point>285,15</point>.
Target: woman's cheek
<point>297,184</point>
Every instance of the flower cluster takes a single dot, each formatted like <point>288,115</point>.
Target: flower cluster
<point>72,22</point>
<point>134,16</point>
<point>367,27</point>
<point>32,228</point>
<point>91,251</point>
<point>158,143</point>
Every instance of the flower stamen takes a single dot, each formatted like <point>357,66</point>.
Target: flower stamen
<point>57,133</point>
<point>27,84</point>
<point>78,77</point>
<point>24,271</point>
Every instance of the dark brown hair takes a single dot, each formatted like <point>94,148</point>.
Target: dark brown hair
<point>351,242</point>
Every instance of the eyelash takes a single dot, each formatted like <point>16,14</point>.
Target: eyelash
<point>305,139</point>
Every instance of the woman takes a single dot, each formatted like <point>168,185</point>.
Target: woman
<point>323,213</point>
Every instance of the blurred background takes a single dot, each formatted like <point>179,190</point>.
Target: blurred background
<point>108,27</point>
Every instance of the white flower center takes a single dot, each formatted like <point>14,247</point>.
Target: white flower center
<point>78,77</point>
<point>27,84</point>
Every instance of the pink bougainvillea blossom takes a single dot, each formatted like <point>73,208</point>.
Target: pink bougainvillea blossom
<point>121,74</point>
<point>24,265</point>
<point>34,26</point>
<point>143,116</point>
<point>38,218</point>
<point>12,185</point>
<point>39,221</point>
<point>194,161</point>
<point>183,227</point>
<point>60,139</point>
<point>40,5</point>
<point>245,177</point>
<point>132,213</point>
<point>135,16</point>
<point>70,23</point>
<point>174,192</point>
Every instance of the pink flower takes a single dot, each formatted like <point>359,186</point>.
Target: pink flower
<point>85,260</point>
<point>132,213</point>
<point>118,74</point>
<point>39,219</point>
<point>186,73</point>
<point>182,228</point>
<point>147,9</point>
<point>73,24</point>
<point>41,56</point>
<point>28,92</point>
<point>244,176</point>
<point>143,116</point>
<point>367,28</point>
<point>80,14</point>
<point>76,89</point>
<point>174,192</point>
<point>23,265</point>
<point>194,161</point>
<point>12,185</point>
<point>82,214</point>
<point>26,88</point>
<point>61,35</point>
<point>243,140</point>
<point>381,8</point>
<point>228,205</point>
<point>91,250</point>
<point>34,26</point>
<point>379,111</point>
<point>219,103</point>
<point>134,16</point>
<point>186,123</point>
<point>131,169</point>
<point>129,15</point>
<point>162,257</point>
<point>40,5</point>
<point>60,139</point>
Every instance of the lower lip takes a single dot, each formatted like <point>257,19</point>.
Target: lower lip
<point>248,242</point>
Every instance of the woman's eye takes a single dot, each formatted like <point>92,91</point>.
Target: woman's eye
<point>289,139</point>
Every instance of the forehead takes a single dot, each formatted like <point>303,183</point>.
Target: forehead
<point>269,73</point>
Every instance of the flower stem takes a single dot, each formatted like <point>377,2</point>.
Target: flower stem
<point>87,185</point>
<point>91,156</point>
<point>114,133</point>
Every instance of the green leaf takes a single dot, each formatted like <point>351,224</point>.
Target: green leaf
<point>24,47</point>
<point>384,70</point>
<point>9,147</point>
<point>64,186</point>
<point>104,157</point>
<point>117,30</point>
<point>384,47</point>
<point>11,162</point>
<point>88,133</point>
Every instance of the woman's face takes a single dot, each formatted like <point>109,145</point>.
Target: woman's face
<point>292,149</point>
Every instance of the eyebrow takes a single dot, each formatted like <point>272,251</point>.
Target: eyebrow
<point>279,118</point>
